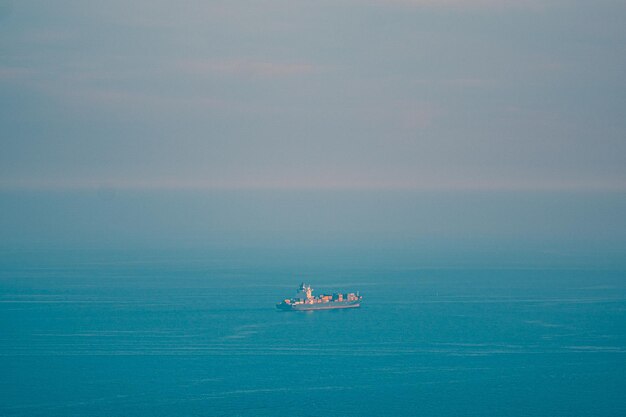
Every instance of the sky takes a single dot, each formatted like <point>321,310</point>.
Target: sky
<point>456,130</point>
<point>342,94</point>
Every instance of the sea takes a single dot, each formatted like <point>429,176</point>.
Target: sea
<point>180,333</point>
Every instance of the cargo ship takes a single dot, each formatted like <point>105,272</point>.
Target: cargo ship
<point>305,301</point>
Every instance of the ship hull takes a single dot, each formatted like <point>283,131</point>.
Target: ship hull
<point>320,306</point>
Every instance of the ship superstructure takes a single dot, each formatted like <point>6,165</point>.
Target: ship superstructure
<point>305,300</point>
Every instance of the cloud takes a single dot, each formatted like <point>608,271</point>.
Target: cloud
<point>139,102</point>
<point>15,72</point>
<point>317,182</point>
<point>466,4</point>
<point>246,67</point>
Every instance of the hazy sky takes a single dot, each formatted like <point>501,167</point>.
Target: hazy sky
<point>432,94</point>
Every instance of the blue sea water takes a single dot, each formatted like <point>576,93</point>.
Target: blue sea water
<point>94,333</point>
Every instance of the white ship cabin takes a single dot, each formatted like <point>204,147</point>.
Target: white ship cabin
<point>304,292</point>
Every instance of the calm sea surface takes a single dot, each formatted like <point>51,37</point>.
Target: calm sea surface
<point>124,335</point>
